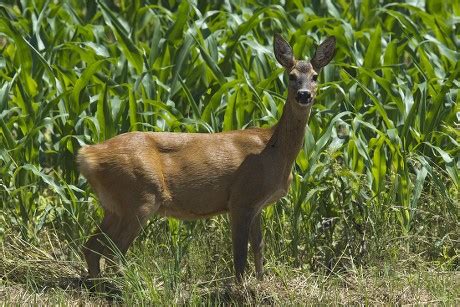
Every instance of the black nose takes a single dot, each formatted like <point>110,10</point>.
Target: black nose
<point>303,96</point>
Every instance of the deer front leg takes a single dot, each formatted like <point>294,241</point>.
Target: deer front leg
<point>241,221</point>
<point>257,245</point>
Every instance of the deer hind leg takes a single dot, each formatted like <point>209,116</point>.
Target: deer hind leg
<point>130,226</point>
<point>95,246</point>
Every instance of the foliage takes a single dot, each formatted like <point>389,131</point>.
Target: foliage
<point>381,155</point>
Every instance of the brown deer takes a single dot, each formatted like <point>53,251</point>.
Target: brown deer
<point>195,175</point>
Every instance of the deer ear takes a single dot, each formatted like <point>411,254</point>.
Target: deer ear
<point>324,54</point>
<point>283,52</point>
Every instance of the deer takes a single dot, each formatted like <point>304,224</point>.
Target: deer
<point>192,176</point>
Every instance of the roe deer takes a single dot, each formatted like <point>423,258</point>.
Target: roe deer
<point>198,175</point>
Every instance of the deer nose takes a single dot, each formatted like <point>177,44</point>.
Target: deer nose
<point>303,96</point>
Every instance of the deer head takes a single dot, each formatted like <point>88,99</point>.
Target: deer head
<point>303,75</point>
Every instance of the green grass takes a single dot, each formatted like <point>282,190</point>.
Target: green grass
<point>373,212</point>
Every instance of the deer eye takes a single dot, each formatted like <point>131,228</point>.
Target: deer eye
<point>292,77</point>
<point>314,78</point>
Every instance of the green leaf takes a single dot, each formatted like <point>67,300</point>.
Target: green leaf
<point>216,99</point>
<point>191,100</point>
<point>212,65</point>
<point>104,116</point>
<point>374,49</point>
<point>132,111</point>
<point>82,82</point>
<point>177,29</point>
<point>379,166</point>
<point>23,51</point>
<point>47,179</point>
<point>127,46</point>
<point>6,132</point>
<point>230,116</point>
<point>183,52</point>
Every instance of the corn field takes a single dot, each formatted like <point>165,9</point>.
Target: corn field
<point>378,175</point>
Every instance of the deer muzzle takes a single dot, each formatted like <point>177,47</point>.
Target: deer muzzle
<point>304,97</point>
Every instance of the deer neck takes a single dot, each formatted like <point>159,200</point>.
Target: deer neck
<point>289,132</point>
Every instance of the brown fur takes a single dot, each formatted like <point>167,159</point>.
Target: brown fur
<point>191,176</point>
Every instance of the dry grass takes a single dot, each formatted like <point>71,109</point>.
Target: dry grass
<point>33,274</point>
<point>417,288</point>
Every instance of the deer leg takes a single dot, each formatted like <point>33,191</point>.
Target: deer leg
<point>241,221</point>
<point>131,231</point>
<point>257,245</point>
<point>94,247</point>
<point>129,228</point>
<point>127,231</point>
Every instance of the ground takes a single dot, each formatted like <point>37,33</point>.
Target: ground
<point>35,274</point>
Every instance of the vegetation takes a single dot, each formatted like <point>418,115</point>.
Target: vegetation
<point>373,212</point>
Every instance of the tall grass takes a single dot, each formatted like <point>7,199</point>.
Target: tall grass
<point>381,154</point>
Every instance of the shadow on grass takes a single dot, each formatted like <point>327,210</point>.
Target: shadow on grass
<point>235,294</point>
